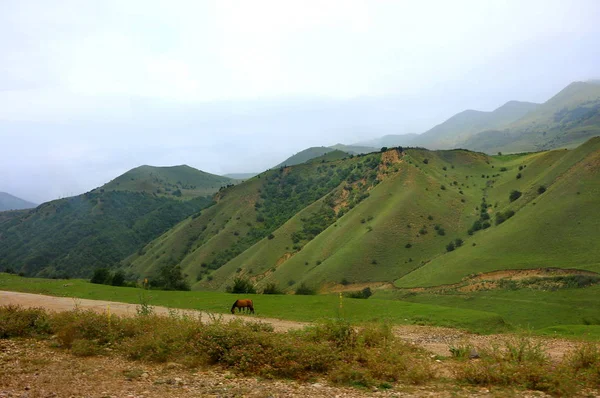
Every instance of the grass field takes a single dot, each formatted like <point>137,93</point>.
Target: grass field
<point>291,307</point>
<point>577,311</point>
<point>566,312</point>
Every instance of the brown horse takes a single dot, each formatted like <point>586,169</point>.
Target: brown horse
<point>243,304</point>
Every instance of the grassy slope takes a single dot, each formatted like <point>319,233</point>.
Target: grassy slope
<point>195,240</point>
<point>555,229</point>
<point>367,244</point>
<point>164,181</point>
<point>376,229</point>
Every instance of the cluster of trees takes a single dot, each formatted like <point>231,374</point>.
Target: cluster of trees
<point>168,278</point>
<point>484,217</point>
<point>104,276</point>
<point>458,242</point>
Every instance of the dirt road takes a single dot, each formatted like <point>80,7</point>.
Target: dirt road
<point>437,340</point>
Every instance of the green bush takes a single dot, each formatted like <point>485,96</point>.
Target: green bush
<point>101,276</point>
<point>303,289</point>
<point>514,195</point>
<point>242,285</point>
<point>271,288</point>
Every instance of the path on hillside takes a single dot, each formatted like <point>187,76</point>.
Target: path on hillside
<point>436,340</point>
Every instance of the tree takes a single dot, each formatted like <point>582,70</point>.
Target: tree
<point>383,149</point>
<point>171,278</point>
<point>514,195</point>
<point>101,276</point>
<point>303,289</point>
<point>272,288</point>
<point>243,285</point>
<point>450,246</point>
<point>118,278</point>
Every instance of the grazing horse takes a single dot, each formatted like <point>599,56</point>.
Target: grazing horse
<point>243,304</point>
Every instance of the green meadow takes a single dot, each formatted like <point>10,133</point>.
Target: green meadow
<point>290,307</point>
<point>571,313</point>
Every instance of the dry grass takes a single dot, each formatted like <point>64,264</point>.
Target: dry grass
<point>343,353</point>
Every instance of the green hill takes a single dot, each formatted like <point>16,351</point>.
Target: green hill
<point>454,131</point>
<point>10,202</point>
<point>183,182</point>
<point>356,149</point>
<point>566,120</point>
<point>73,236</point>
<point>388,218</point>
<point>305,156</point>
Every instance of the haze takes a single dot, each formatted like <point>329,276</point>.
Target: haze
<point>89,90</point>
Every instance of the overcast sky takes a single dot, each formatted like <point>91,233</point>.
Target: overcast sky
<point>90,89</point>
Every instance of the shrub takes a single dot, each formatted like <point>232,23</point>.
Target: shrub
<point>519,175</point>
<point>271,288</point>
<point>408,246</point>
<point>514,195</point>
<point>304,290</point>
<point>101,276</point>
<point>426,161</point>
<point>458,242</point>
<point>16,321</point>
<point>450,247</point>
<point>541,189</point>
<point>242,285</point>
<point>362,294</point>
<point>171,278</point>
<point>118,278</point>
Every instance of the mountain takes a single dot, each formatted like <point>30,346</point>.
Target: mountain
<point>388,218</point>
<point>73,236</point>
<point>390,140</point>
<point>240,176</point>
<point>566,120</point>
<point>354,149</point>
<point>454,131</point>
<point>304,156</point>
<point>182,182</point>
<point>10,202</point>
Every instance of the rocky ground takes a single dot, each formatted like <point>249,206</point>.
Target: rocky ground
<point>32,369</point>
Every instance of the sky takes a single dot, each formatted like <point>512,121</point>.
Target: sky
<point>91,89</point>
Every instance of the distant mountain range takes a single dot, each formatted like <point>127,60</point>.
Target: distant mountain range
<point>10,202</point>
<point>569,118</point>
